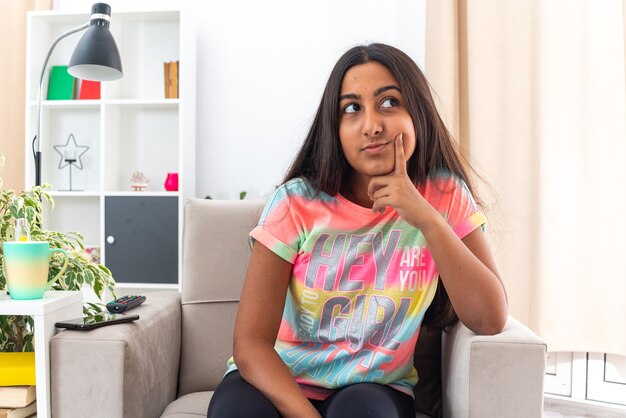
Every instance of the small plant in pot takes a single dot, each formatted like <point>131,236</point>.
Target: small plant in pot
<point>16,332</point>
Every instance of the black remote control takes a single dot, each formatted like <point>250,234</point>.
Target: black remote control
<point>125,303</point>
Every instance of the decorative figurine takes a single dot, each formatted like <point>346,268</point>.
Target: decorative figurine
<point>71,154</point>
<point>138,181</point>
<point>171,182</point>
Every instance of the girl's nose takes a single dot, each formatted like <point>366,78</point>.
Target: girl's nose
<point>372,124</point>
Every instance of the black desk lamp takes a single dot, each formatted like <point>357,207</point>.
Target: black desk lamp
<point>95,58</point>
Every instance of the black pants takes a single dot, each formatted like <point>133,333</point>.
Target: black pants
<point>236,398</point>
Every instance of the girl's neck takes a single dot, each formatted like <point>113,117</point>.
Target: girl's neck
<point>356,191</point>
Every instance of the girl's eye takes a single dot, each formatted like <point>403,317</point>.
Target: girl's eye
<point>351,108</point>
<point>390,102</point>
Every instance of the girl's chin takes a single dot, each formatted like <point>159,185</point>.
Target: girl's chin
<point>375,171</point>
<point>380,170</point>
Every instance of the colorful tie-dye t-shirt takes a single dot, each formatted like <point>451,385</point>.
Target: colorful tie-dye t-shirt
<point>361,283</point>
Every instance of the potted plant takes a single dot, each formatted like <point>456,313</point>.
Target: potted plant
<point>16,332</point>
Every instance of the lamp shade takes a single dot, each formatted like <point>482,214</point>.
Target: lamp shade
<point>96,56</point>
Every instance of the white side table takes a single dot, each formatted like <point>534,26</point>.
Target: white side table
<point>54,307</point>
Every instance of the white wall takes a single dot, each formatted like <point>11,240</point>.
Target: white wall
<point>262,66</point>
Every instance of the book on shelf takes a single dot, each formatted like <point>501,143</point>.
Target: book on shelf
<point>61,85</point>
<point>170,76</point>
<point>24,412</point>
<point>89,90</point>
<point>17,369</point>
<point>17,396</point>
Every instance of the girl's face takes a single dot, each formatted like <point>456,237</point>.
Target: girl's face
<point>372,112</point>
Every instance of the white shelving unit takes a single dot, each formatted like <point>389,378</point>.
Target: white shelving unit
<point>52,308</point>
<point>131,128</point>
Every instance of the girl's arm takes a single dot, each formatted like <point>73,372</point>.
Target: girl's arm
<point>469,274</point>
<point>466,266</point>
<point>258,320</point>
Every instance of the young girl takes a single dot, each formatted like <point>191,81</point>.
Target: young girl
<point>374,218</point>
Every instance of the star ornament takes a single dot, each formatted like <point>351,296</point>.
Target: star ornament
<point>71,152</point>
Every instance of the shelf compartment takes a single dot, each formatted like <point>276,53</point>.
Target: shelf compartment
<point>143,66</point>
<point>43,29</point>
<point>75,213</point>
<point>140,139</point>
<point>84,124</point>
<point>141,235</point>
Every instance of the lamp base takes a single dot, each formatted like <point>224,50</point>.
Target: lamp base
<point>38,168</point>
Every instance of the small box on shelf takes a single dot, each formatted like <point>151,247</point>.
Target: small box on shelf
<point>170,76</point>
<point>89,90</point>
<point>61,85</point>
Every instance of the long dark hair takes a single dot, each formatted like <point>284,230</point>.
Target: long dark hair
<point>321,161</point>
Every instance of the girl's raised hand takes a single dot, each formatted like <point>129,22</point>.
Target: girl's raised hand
<point>398,191</point>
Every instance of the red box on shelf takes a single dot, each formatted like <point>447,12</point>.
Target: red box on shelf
<point>89,90</point>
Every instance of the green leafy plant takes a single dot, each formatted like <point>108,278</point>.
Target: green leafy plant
<point>16,331</point>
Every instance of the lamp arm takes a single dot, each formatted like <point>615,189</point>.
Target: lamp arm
<point>43,72</point>
<point>37,150</point>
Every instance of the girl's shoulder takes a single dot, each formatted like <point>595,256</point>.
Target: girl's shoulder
<point>297,186</point>
<point>449,195</point>
<point>441,183</point>
<point>301,188</point>
<point>294,196</point>
<point>444,177</point>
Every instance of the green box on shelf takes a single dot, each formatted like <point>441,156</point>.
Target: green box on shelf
<point>61,85</point>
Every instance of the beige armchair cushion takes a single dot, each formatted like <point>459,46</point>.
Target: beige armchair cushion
<point>215,259</point>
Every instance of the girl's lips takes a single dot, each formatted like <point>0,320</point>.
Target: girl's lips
<point>376,149</point>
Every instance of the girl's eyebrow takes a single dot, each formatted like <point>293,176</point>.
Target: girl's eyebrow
<point>349,96</point>
<point>385,88</point>
<point>378,91</point>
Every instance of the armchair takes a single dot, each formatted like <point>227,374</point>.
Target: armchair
<point>168,363</point>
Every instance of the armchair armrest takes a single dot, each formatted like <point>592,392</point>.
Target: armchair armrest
<point>493,376</point>
<point>124,370</point>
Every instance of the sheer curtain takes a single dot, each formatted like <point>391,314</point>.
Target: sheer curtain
<point>13,74</point>
<point>536,93</point>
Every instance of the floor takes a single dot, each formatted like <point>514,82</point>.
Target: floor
<point>551,414</point>
<point>560,409</point>
<point>555,408</point>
